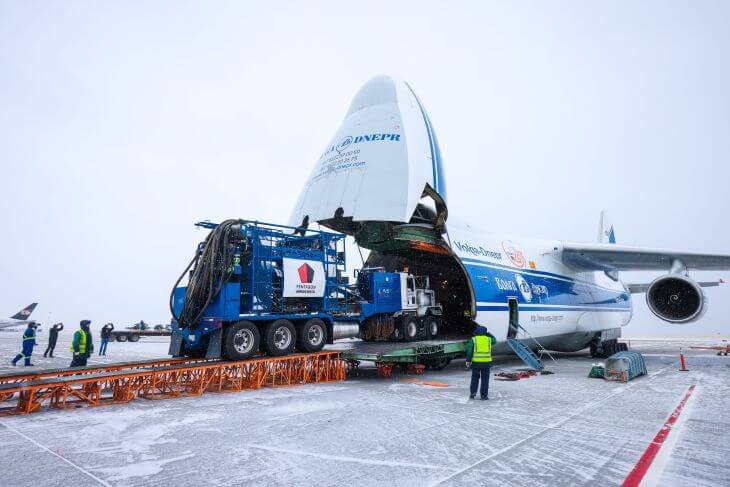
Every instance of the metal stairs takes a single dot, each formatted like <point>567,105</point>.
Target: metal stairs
<point>526,354</point>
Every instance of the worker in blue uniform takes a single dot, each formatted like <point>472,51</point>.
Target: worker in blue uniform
<point>82,345</point>
<point>479,359</point>
<point>106,332</point>
<point>28,344</point>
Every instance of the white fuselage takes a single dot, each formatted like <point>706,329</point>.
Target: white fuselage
<point>554,301</point>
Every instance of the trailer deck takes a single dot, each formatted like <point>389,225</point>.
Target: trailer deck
<point>400,352</point>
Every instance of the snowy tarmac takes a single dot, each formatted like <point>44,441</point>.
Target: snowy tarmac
<point>561,429</point>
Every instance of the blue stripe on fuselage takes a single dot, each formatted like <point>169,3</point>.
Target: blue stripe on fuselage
<point>493,284</point>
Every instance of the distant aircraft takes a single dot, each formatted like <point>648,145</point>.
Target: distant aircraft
<point>381,180</point>
<point>19,318</point>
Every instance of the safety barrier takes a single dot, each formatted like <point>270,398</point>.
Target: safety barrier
<point>120,383</point>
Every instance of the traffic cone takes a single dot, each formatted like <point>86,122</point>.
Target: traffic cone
<point>682,362</point>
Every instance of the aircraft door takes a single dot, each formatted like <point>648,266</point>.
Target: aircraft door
<point>514,317</point>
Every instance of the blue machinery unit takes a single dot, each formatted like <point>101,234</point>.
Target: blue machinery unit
<point>258,286</point>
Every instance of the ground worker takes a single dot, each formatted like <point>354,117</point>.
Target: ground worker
<point>52,338</point>
<point>106,332</point>
<point>82,345</point>
<point>479,359</point>
<point>28,344</point>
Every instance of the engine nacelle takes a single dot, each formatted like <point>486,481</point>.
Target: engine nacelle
<point>676,299</point>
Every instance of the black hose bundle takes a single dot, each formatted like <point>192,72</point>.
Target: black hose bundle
<point>212,266</point>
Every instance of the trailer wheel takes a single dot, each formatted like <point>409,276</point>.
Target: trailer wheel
<point>410,329</point>
<point>121,338</point>
<point>241,340</point>
<point>279,338</point>
<point>432,327</point>
<point>311,335</point>
<point>439,363</point>
<point>133,338</point>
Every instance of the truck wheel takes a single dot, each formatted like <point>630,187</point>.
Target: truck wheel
<point>194,353</point>
<point>439,363</point>
<point>241,340</point>
<point>432,327</point>
<point>410,329</point>
<point>121,338</point>
<point>279,338</point>
<point>133,338</point>
<point>312,335</point>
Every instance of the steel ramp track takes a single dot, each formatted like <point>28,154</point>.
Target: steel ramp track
<point>526,354</point>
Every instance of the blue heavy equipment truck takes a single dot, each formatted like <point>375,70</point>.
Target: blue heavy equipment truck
<point>258,287</point>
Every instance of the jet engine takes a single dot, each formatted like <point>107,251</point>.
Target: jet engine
<point>676,298</point>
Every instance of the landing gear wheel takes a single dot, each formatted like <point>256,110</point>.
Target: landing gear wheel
<point>279,338</point>
<point>121,338</point>
<point>241,340</point>
<point>410,329</point>
<point>622,347</point>
<point>133,338</point>
<point>432,326</point>
<point>594,350</point>
<point>312,335</point>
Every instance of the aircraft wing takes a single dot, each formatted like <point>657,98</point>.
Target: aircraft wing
<point>10,324</point>
<point>641,288</point>
<point>613,257</point>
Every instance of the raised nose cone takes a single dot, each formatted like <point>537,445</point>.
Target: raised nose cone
<point>378,164</point>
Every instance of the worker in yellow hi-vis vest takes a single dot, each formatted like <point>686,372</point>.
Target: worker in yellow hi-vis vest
<point>82,346</point>
<point>479,359</point>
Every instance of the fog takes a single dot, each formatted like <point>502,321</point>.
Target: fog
<point>122,124</point>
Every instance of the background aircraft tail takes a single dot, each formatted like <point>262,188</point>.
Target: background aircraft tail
<point>605,229</point>
<point>24,313</point>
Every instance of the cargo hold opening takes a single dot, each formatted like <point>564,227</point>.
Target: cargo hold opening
<point>447,278</point>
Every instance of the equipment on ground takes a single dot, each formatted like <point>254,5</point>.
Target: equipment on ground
<point>525,354</point>
<point>624,366</point>
<point>159,379</point>
<point>263,287</point>
<point>135,332</point>
<point>723,349</point>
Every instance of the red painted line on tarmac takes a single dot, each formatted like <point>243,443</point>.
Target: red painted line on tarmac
<point>642,466</point>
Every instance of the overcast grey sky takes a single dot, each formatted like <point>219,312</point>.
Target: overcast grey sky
<point>123,123</point>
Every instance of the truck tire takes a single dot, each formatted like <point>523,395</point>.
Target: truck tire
<point>439,363</point>
<point>410,328</point>
<point>279,338</point>
<point>133,338</point>
<point>195,353</point>
<point>241,340</point>
<point>121,338</point>
<point>311,335</point>
<point>432,326</point>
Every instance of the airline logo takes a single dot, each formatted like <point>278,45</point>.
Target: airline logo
<point>303,278</point>
<point>524,288</point>
<point>514,254</point>
<point>350,140</point>
<point>25,313</point>
<point>474,250</point>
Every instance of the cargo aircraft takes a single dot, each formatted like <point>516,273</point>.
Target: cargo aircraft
<point>381,180</point>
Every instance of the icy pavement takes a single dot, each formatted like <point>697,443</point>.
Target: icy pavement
<point>561,429</point>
